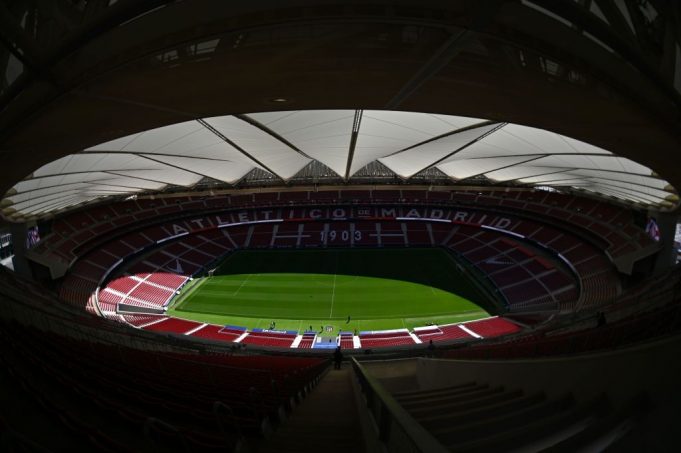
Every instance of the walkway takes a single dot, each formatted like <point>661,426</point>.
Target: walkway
<point>325,421</point>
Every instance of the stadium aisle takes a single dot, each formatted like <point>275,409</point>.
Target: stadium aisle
<point>325,421</point>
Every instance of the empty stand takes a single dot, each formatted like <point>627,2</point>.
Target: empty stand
<point>275,339</point>
<point>220,333</point>
<point>451,332</point>
<point>307,341</point>
<point>173,325</point>
<point>385,339</point>
<point>108,394</point>
<point>492,327</point>
<point>528,273</point>
<point>480,417</point>
<point>346,340</point>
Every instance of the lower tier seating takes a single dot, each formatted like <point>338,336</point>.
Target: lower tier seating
<point>385,339</point>
<point>492,327</point>
<point>221,333</point>
<point>307,341</point>
<point>281,340</point>
<point>173,325</point>
<point>442,333</point>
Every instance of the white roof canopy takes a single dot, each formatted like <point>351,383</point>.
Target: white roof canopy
<point>227,148</point>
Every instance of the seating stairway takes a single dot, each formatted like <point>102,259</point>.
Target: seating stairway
<point>478,417</point>
<point>326,421</point>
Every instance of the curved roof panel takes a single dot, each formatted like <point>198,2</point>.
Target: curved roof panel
<point>227,148</point>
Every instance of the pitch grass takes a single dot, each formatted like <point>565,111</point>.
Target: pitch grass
<point>298,289</point>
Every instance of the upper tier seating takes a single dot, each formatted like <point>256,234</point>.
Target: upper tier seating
<point>613,225</point>
<point>526,278</point>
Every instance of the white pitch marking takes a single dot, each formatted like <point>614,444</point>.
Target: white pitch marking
<point>333,294</point>
<point>241,286</point>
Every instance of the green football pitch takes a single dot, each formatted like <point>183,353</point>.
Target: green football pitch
<point>319,289</point>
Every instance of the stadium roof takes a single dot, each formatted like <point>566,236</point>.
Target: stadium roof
<point>283,144</point>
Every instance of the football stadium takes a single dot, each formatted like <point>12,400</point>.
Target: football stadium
<point>386,226</point>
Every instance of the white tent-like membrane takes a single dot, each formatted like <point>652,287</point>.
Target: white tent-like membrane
<point>227,148</point>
